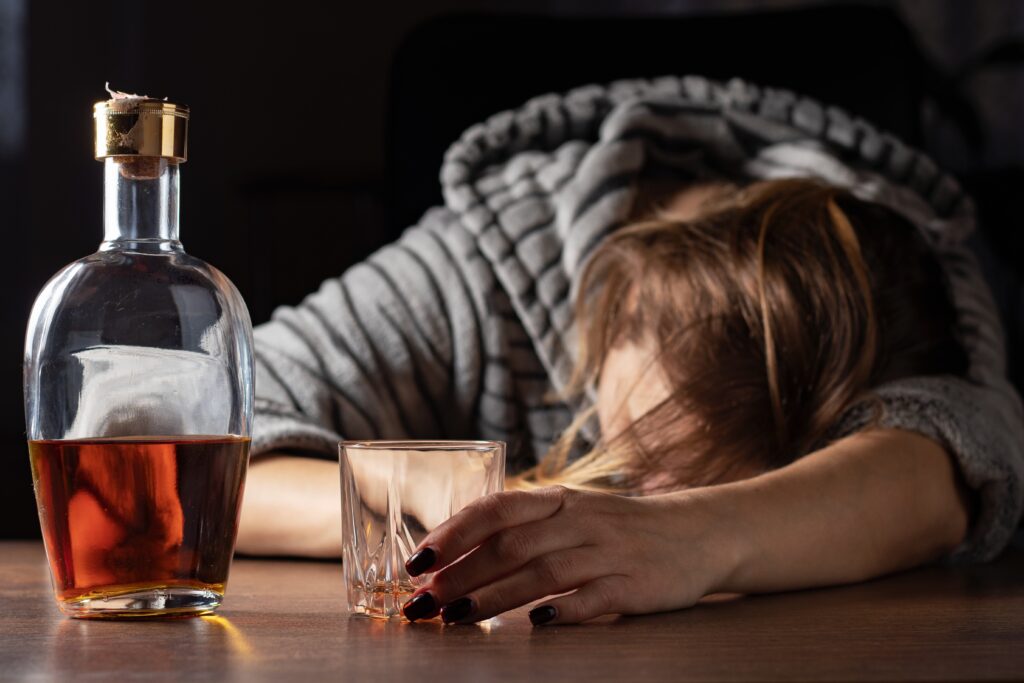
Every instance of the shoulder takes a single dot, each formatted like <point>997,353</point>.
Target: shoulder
<point>444,228</point>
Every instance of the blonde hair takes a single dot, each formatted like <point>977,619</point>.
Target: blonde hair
<point>773,312</point>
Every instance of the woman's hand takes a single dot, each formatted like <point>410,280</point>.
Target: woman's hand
<point>616,555</point>
<point>873,503</point>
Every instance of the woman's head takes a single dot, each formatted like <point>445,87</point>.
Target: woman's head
<point>731,341</point>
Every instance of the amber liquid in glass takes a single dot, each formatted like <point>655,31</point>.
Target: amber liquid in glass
<point>384,598</point>
<point>140,515</point>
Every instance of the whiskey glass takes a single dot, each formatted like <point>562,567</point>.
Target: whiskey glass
<point>393,494</point>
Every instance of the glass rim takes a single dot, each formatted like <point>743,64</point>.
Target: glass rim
<point>421,445</point>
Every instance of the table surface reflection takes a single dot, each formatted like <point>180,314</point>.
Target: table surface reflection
<point>285,620</point>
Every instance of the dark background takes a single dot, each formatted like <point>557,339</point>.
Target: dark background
<point>318,128</point>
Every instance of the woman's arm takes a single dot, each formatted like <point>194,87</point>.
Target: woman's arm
<point>392,348</point>
<point>291,506</point>
<point>873,503</point>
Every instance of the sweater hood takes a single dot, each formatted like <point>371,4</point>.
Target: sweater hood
<point>541,185</point>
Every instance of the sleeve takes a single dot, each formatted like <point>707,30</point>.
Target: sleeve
<point>978,419</point>
<point>391,349</point>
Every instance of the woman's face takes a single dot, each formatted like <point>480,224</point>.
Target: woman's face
<point>631,384</point>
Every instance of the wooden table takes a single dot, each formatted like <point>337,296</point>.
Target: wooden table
<point>285,620</point>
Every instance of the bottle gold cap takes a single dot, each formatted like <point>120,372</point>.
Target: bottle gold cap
<point>140,127</point>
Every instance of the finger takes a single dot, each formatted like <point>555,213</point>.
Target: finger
<point>480,520</point>
<point>421,605</point>
<point>552,573</point>
<point>502,554</point>
<point>603,595</point>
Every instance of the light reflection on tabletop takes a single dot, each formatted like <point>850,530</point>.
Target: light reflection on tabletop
<point>236,640</point>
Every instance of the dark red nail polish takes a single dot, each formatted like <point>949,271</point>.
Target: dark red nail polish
<point>542,615</point>
<point>456,610</point>
<point>419,607</point>
<point>420,562</point>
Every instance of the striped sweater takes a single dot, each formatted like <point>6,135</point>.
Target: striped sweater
<point>463,327</point>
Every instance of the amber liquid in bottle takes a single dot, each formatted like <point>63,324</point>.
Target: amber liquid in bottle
<point>121,515</point>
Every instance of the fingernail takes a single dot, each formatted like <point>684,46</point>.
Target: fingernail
<point>542,615</point>
<point>420,562</point>
<point>419,607</point>
<point>456,610</point>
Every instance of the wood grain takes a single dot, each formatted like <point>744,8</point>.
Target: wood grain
<point>286,621</point>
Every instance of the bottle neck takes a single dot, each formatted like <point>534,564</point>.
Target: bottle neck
<point>140,204</point>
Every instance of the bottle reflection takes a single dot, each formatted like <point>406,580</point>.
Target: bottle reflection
<point>212,644</point>
<point>236,640</point>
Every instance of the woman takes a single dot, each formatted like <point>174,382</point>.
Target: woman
<point>778,374</point>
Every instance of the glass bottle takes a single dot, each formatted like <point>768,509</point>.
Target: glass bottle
<point>139,393</point>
